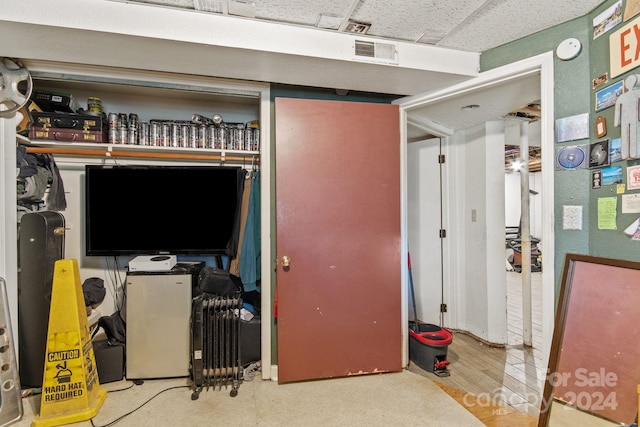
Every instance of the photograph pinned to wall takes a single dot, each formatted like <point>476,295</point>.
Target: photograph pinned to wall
<point>608,96</point>
<point>612,175</point>
<point>633,177</point>
<point>596,178</point>
<point>607,19</point>
<point>631,9</point>
<point>599,154</point>
<point>615,153</point>
<point>630,203</point>
<point>600,81</point>
<point>572,128</point>
<point>572,157</point>
<point>633,230</point>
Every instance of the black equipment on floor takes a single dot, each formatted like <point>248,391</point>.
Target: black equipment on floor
<point>40,245</point>
<point>215,349</point>
<point>109,361</point>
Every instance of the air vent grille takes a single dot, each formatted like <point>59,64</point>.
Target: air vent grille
<point>378,52</point>
<point>367,49</point>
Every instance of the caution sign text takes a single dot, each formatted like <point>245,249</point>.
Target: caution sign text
<point>63,392</point>
<point>56,356</point>
<point>63,363</point>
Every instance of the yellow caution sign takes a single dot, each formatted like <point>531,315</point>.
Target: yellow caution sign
<point>71,391</point>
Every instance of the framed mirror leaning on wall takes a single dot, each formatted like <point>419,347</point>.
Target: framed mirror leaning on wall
<point>594,364</point>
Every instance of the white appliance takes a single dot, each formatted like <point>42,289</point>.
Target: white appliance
<point>153,263</point>
<point>158,331</point>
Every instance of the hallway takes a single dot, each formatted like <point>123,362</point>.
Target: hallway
<point>513,375</point>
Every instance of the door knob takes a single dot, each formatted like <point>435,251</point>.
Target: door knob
<point>285,261</point>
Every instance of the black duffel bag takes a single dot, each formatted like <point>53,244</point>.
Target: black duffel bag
<point>216,281</point>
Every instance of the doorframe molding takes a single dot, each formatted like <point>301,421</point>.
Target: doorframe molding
<point>542,64</point>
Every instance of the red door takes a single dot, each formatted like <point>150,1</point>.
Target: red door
<point>338,229</point>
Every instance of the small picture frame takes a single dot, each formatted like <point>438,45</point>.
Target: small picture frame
<point>572,128</point>
<point>599,154</point>
<point>608,96</point>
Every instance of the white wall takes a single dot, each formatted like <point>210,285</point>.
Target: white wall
<point>483,311</point>
<point>495,220</point>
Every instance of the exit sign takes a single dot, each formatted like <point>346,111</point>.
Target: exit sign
<point>624,48</point>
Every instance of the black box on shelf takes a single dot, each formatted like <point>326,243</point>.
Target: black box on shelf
<point>55,101</point>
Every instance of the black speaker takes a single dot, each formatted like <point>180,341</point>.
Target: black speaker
<point>109,361</point>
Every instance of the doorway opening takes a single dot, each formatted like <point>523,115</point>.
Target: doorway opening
<point>426,117</point>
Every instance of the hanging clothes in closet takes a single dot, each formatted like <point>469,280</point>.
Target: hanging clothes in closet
<point>234,267</point>
<point>251,241</point>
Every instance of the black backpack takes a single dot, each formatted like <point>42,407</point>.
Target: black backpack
<point>216,281</point>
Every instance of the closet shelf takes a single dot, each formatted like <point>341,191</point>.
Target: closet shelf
<point>136,151</point>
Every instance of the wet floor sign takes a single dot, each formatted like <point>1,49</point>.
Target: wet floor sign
<point>71,391</point>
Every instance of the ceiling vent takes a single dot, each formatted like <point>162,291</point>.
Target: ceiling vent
<point>213,6</point>
<point>357,27</point>
<point>376,52</point>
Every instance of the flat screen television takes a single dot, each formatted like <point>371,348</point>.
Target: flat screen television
<point>151,210</point>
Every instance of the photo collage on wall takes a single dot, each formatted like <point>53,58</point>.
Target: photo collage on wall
<point>612,152</point>
<point>607,142</point>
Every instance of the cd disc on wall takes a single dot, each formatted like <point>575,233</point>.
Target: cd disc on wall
<point>570,157</point>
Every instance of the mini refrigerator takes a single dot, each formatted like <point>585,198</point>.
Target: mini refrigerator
<point>158,316</point>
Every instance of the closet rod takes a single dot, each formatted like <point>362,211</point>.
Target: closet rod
<point>115,153</point>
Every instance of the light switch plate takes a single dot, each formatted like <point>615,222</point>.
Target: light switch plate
<point>572,217</point>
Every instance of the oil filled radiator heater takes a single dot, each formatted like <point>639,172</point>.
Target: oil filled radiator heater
<point>215,347</point>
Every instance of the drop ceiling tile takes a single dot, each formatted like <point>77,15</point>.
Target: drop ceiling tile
<point>512,20</point>
<point>300,12</point>
<point>411,19</point>
<point>467,25</point>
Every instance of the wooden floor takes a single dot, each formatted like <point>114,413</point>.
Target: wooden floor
<point>510,376</point>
